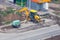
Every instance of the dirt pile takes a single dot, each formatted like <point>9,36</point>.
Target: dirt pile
<point>12,17</point>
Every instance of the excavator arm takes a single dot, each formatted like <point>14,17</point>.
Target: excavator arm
<point>26,12</point>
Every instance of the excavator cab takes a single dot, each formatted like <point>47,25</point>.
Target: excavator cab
<point>34,16</point>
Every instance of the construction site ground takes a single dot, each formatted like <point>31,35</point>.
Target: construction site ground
<point>28,26</point>
<point>31,26</point>
<point>49,21</point>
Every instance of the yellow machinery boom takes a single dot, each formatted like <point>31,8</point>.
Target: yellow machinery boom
<point>26,12</point>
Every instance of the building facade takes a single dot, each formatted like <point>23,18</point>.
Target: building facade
<point>33,4</point>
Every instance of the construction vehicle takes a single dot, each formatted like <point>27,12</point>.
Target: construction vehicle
<point>16,24</point>
<point>30,15</point>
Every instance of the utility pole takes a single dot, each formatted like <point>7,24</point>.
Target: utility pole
<point>29,4</point>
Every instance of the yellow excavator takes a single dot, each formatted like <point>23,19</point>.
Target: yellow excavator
<point>31,15</point>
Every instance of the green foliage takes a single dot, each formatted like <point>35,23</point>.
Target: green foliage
<point>57,13</point>
<point>6,12</point>
<point>18,13</point>
<point>3,13</point>
<point>56,1</point>
<point>10,10</point>
<point>8,22</point>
